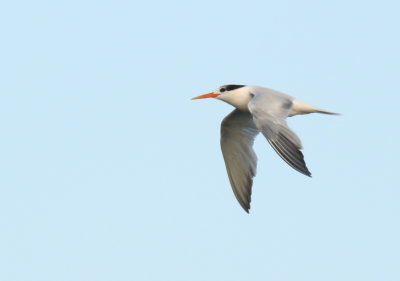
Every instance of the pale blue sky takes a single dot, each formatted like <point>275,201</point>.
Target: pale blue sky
<point>110,172</point>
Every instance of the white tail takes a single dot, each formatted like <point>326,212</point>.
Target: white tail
<point>300,107</point>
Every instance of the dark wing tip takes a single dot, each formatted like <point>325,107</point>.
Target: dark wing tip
<point>244,203</point>
<point>289,152</point>
<point>246,208</point>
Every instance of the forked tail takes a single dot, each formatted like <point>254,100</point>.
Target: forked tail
<point>300,107</point>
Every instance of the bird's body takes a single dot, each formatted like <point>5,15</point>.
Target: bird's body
<point>257,110</point>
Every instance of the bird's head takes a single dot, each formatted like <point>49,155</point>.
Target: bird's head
<point>236,95</point>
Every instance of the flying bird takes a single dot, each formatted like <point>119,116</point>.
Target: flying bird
<point>264,110</point>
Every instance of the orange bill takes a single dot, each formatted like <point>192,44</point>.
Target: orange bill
<point>209,95</point>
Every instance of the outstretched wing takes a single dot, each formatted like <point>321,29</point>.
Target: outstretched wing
<point>238,132</point>
<point>269,110</point>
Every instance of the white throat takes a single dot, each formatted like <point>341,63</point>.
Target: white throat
<point>238,98</point>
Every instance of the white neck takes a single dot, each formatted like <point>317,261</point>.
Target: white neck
<point>238,98</point>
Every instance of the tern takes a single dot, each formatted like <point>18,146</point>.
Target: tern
<point>264,110</point>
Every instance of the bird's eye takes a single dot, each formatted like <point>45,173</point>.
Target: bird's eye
<point>222,90</point>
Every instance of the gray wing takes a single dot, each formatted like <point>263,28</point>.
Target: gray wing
<point>238,132</point>
<point>269,110</point>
